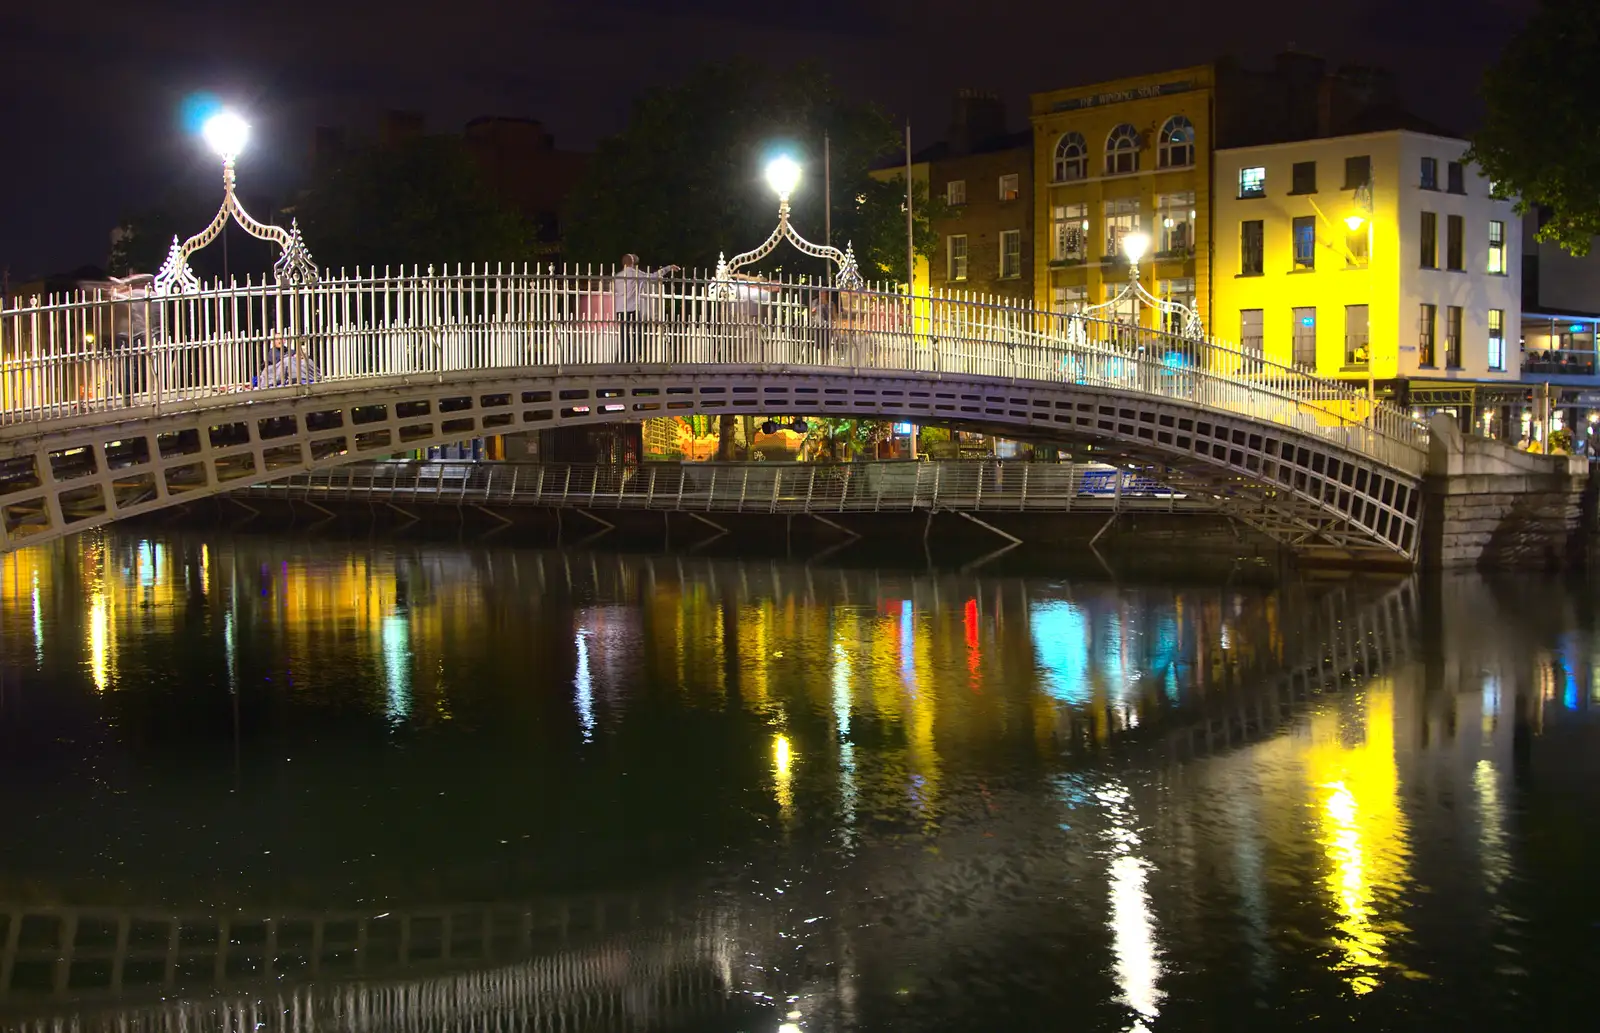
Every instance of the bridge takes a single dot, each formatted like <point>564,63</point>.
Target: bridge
<point>234,385</point>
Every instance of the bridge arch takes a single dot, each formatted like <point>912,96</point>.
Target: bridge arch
<point>1306,460</point>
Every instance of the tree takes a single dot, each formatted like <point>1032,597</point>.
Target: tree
<point>683,183</point>
<point>1538,141</point>
<point>420,202</point>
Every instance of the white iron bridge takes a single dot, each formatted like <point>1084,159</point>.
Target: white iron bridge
<point>110,407</point>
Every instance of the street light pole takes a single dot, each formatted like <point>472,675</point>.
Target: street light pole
<point>911,250</point>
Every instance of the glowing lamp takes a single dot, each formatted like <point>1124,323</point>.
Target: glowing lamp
<point>783,175</point>
<point>1353,221</point>
<point>1134,245</point>
<point>226,133</point>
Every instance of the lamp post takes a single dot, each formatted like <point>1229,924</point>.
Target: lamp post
<point>783,175</point>
<point>226,134</point>
<point>1135,246</point>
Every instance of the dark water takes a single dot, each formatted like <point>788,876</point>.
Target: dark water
<point>295,784</point>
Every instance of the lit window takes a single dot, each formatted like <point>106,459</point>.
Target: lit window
<point>1497,247</point>
<point>1010,187</point>
<point>1069,232</point>
<point>1357,243</point>
<point>1122,150</point>
<point>957,254</point>
<point>1180,291</point>
<point>1252,334</point>
<point>1010,254</point>
<point>1304,335</point>
<point>1072,157</point>
<point>1122,218</point>
<point>1355,336</point>
<point>1452,336</point>
<point>1497,340</point>
<point>1177,143</point>
<point>1067,300</point>
<point>955,192</point>
<point>1253,182</point>
<point>1175,222</point>
<point>1305,242</point>
<point>1427,320</point>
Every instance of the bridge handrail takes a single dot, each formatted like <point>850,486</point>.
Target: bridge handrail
<point>61,355</point>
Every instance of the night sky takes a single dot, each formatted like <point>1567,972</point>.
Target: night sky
<point>93,90</point>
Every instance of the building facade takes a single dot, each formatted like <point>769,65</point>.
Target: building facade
<point>1377,256</point>
<point>1114,158</point>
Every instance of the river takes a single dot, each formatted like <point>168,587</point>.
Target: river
<point>290,783</point>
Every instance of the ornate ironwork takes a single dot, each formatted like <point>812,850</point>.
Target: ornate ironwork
<point>294,267</point>
<point>1190,325</point>
<point>847,277</point>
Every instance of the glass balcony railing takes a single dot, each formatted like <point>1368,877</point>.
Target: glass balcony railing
<point>1570,362</point>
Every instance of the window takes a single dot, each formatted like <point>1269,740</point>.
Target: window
<point>1069,232</point>
<point>1303,177</point>
<point>1010,254</point>
<point>1497,340</point>
<point>1122,150</point>
<point>1430,174</point>
<point>1453,233</point>
<point>1426,321</point>
<point>957,254</point>
<point>1251,340</point>
<point>1357,245</point>
<point>1305,337</point>
<point>1180,291</point>
<point>1177,143</point>
<point>1067,300</point>
<point>955,192</point>
<point>1355,336</point>
<point>1010,187</point>
<point>1251,251</point>
<point>1253,182</point>
<point>1497,247</point>
<point>1072,157</point>
<point>1458,177</point>
<point>1122,218</point>
<point>1125,311</point>
<point>1452,336</point>
<point>1357,171</point>
<point>1428,255</point>
<point>1305,242</point>
<point>1175,221</point>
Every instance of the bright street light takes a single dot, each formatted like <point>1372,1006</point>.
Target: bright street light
<point>226,134</point>
<point>1134,245</point>
<point>783,175</point>
<point>1354,220</point>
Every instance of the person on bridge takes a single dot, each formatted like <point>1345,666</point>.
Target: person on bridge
<point>629,285</point>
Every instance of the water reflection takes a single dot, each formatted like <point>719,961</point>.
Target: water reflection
<point>885,801</point>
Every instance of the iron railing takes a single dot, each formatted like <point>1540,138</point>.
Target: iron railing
<point>872,487</point>
<point>88,352</point>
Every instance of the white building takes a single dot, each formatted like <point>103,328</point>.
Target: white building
<point>1379,255</point>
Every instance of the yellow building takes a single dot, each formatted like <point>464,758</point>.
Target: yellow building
<point>1117,157</point>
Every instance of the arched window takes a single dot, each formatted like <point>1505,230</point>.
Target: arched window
<point>1122,150</point>
<point>1177,143</point>
<point>1072,157</point>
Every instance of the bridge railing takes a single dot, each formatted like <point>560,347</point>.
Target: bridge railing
<point>93,352</point>
<point>758,487</point>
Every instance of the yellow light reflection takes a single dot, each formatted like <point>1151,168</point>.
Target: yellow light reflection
<point>1132,919</point>
<point>99,632</point>
<point>782,778</point>
<point>1363,834</point>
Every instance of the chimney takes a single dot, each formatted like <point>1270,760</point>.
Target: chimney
<point>974,118</point>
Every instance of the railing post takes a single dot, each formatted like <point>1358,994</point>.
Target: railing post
<point>1023,502</point>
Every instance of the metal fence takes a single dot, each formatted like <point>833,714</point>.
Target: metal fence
<point>873,487</point>
<point>91,352</point>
